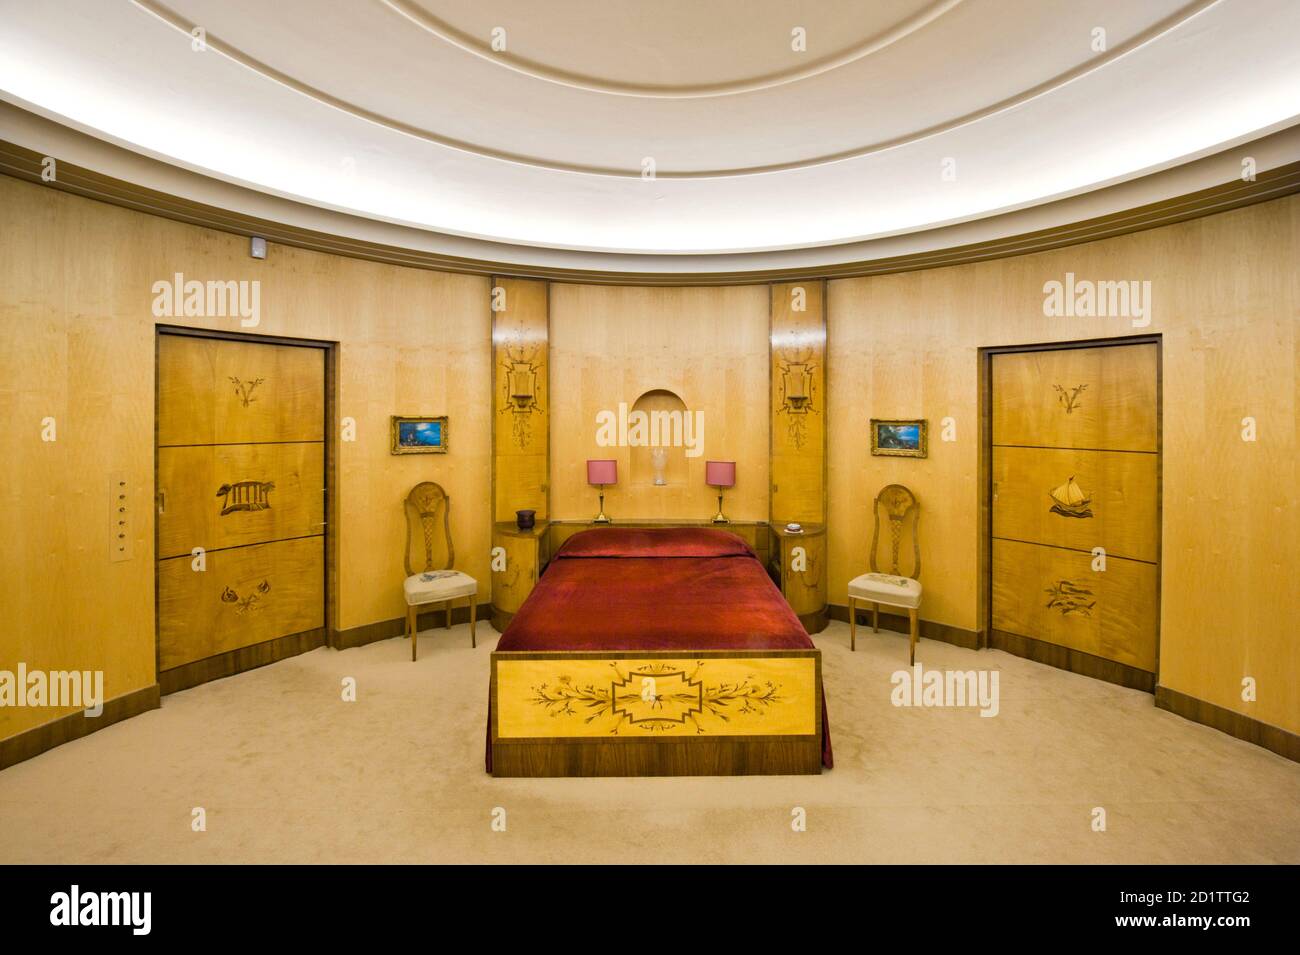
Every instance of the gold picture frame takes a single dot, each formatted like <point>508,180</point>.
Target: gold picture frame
<point>419,434</point>
<point>899,437</point>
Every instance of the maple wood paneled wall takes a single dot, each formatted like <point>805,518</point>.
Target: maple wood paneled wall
<point>708,346</point>
<point>1226,301</point>
<point>77,344</point>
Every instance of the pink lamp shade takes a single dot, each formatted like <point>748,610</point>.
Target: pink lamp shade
<point>602,472</point>
<point>720,473</point>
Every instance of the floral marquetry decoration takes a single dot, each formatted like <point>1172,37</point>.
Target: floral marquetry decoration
<point>597,698</point>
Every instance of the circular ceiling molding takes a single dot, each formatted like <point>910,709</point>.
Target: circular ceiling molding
<point>637,171</point>
<point>986,109</point>
<point>474,46</point>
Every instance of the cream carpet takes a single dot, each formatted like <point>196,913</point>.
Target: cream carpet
<point>288,772</point>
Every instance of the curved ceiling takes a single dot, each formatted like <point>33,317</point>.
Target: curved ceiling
<point>767,124</point>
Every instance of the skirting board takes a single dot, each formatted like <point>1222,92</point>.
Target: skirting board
<point>774,757</point>
<point>387,629</point>
<point>897,622</point>
<point>1076,661</point>
<point>1274,738</point>
<point>237,661</point>
<point>39,739</point>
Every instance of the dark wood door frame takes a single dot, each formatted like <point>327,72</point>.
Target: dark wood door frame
<point>248,658</point>
<point>1038,650</point>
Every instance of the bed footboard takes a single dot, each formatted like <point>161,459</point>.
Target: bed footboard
<point>660,713</point>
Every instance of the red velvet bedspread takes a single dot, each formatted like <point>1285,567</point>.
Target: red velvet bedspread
<point>656,589</point>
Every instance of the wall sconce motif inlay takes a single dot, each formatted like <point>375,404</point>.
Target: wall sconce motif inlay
<point>520,370</point>
<point>798,387</point>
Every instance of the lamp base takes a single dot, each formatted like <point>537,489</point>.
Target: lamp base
<point>602,517</point>
<point>720,518</point>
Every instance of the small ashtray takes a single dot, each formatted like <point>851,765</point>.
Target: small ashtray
<point>794,528</point>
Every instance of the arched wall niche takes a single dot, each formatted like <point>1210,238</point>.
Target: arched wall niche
<point>667,427</point>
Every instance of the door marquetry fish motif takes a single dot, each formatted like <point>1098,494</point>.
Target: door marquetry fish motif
<point>1075,526</point>
<point>247,565</point>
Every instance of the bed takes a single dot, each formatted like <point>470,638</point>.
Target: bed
<point>656,652</point>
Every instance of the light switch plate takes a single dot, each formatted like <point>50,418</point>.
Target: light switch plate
<point>120,538</point>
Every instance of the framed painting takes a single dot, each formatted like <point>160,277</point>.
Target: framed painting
<point>899,438</point>
<point>419,434</point>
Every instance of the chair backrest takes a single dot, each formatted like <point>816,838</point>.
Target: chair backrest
<point>422,506</point>
<point>897,502</point>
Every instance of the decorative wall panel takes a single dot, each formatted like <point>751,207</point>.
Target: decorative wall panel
<point>798,398</point>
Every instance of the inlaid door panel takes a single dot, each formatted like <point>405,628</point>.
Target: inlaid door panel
<point>245,596</point>
<point>228,495</point>
<point>1114,506</point>
<point>1102,398</point>
<point>241,474</point>
<point>1074,472</point>
<point>213,391</point>
<point>1054,595</point>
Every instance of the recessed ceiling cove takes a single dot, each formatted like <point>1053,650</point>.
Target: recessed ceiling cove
<point>673,127</point>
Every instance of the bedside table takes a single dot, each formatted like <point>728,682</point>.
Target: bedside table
<point>527,552</point>
<point>804,588</point>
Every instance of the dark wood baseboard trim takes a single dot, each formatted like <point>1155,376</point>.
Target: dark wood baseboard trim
<point>1273,738</point>
<point>815,622</point>
<point>387,629</point>
<point>237,661</point>
<point>929,629</point>
<point>500,619</point>
<point>39,739</point>
<point>1063,658</point>
<point>795,755</point>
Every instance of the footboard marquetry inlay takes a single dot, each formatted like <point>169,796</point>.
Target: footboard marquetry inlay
<point>594,696</point>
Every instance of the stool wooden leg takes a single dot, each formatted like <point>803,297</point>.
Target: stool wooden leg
<point>448,614</point>
<point>875,618</point>
<point>853,623</point>
<point>473,612</point>
<point>912,617</point>
<point>412,620</point>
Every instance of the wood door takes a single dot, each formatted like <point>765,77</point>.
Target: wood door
<point>241,478</point>
<point>1075,505</point>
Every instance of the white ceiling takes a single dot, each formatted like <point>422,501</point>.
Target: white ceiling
<point>400,110</point>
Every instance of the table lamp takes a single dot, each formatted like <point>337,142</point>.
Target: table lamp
<point>602,473</point>
<point>722,475</point>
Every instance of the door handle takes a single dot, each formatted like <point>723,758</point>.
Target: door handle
<point>162,501</point>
